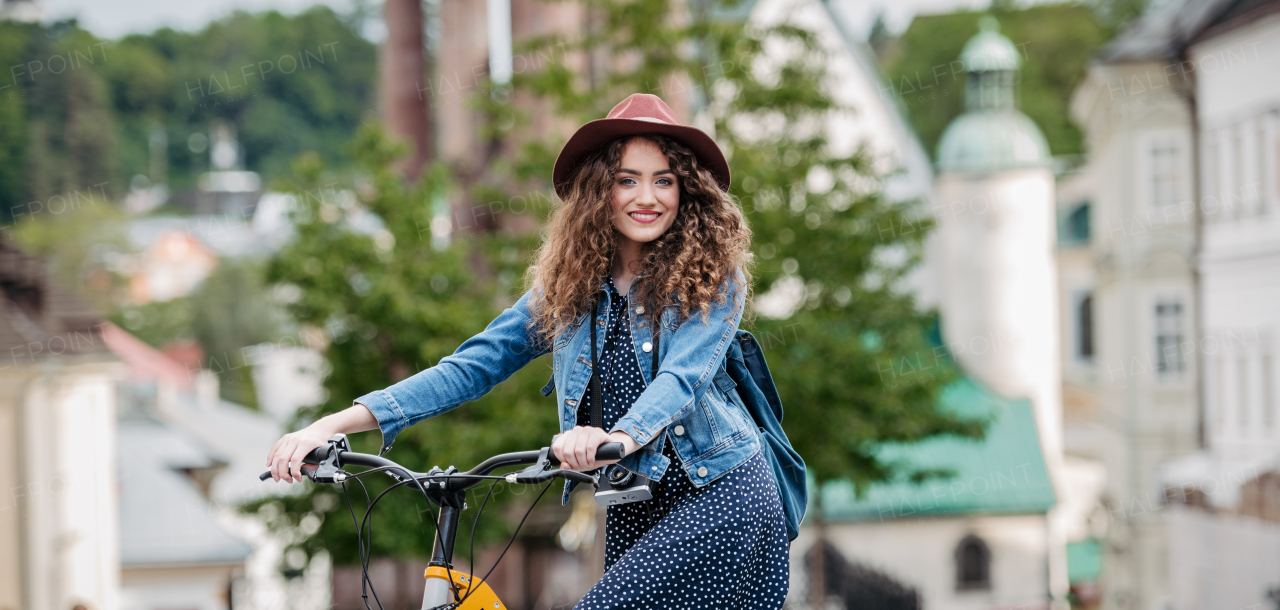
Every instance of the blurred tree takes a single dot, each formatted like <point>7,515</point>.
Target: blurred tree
<point>234,308</point>
<point>394,302</point>
<point>1118,13</point>
<point>1057,42</point>
<point>75,234</point>
<point>77,111</point>
<point>55,116</point>
<point>158,323</point>
<point>402,68</point>
<point>288,83</point>
<point>13,131</point>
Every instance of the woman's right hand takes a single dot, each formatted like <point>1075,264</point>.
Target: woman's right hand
<point>285,457</point>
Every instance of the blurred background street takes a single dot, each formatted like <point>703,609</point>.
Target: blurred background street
<point>1016,266</point>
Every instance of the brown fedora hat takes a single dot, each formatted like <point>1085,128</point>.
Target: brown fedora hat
<point>639,114</point>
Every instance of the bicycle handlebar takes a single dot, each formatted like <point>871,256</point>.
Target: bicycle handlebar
<point>607,451</point>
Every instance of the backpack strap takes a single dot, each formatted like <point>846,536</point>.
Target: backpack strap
<point>597,398</point>
<point>657,332</point>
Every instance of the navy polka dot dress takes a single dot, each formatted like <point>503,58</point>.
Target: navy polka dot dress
<point>721,546</point>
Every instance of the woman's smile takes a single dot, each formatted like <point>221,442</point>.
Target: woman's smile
<point>645,217</point>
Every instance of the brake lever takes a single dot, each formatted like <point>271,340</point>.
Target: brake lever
<point>535,472</point>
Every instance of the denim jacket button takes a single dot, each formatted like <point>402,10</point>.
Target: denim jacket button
<point>640,310</point>
<point>702,471</point>
<point>679,430</point>
<point>646,346</point>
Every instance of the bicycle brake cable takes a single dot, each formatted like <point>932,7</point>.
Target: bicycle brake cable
<point>471,553</point>
<point>364,563</point>
<point>367,557</point>
<point>509,542</point>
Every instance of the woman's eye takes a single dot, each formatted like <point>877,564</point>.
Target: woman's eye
<point>665,181</point>
<point>627,181</point>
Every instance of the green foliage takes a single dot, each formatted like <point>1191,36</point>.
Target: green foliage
<point>394,303</point>
<point>1056,40</point>
<point>232,309</point>
<point>77,111</point>
<point>1118,13</point>
<point>288,84</point>
<point>74,232</point>
<point>157,323</point>
<point>55,119</point>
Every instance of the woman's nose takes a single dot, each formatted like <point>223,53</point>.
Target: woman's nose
<point>647,196</point>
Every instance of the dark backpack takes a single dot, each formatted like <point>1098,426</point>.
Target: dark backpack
<point>745,364</point>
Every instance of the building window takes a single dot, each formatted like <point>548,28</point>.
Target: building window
<point>1084,327</point>
<point>1164,173</point>
<point>973,564</point>
<point>1073,230</point>
<point>1169,338</point>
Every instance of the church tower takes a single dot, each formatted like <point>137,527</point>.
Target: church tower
<point>994,249</point>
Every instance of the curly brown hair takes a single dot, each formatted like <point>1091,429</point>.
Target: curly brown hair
<point>688,266</point>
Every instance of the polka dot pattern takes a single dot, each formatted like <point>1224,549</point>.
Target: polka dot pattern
<point>723,545</point>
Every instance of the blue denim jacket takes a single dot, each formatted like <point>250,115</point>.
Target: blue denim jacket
<point>691,401</point>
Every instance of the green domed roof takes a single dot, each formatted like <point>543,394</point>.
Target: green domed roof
<point>989,50</point>
<point>992,140</point>
<point>992,135</point>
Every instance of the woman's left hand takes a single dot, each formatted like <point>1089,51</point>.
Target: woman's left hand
<point>576,449</point>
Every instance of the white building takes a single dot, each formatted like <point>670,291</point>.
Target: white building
<point>59,534</point>
<point>1138,299</point>
<point>1232,558</point>
<point>1237,101</point>
<point>1180,121</point>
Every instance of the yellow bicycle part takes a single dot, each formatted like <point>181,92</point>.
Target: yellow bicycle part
<point>483,598</point>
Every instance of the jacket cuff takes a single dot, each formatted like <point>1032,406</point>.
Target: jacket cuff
<point>648,461</point>
<point>391,420</point>
<point>634,426</point>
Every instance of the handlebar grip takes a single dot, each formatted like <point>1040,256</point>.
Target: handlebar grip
<point>308,472</point>
<point>609,451</point>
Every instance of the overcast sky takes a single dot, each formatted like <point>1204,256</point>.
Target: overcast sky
<point>115,18</point>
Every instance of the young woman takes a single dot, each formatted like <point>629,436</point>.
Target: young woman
<point>650,249</point>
